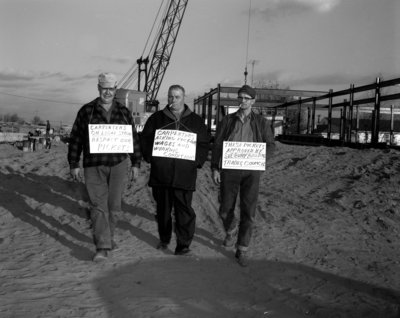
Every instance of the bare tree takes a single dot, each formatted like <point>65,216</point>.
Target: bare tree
<point>36,120</point>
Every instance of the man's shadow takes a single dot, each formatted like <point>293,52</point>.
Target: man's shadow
<point>72,198</point>
<point>15,188</point>
<point>15,203</point>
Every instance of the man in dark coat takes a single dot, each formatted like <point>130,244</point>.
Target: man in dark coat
<point>173,173</point>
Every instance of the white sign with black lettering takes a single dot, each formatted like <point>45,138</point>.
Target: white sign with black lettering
<point>110,138</point>
<point>244,155</point>
<point>175,144</point>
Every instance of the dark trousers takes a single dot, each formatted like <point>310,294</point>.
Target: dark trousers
<point>246,184</point>
<point>185,217</point>
<point>105,186</point>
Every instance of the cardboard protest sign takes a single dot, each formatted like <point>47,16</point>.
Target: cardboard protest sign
<point>110,138</point>
<point>244,155</point>
<point>175,144</point>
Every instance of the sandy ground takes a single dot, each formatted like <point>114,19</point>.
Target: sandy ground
<point>326,243</point>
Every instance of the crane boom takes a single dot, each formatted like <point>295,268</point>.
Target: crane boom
<point>161,55</point>
<point>143,102</point>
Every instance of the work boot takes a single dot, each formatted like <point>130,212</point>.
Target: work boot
<point>114,246</point>
<point>242,258</point>
<point>183,251</point>
<point>101,254</point>
<point>162,246</point>
<point>229,240</point>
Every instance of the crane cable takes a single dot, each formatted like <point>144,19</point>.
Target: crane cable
<point>247,45</point>
<point>128,78</point>
<point>152,28</point>
<point>42,99</point>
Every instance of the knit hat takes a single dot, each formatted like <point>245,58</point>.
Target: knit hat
<point>107,80</point>
<point>248,90</point>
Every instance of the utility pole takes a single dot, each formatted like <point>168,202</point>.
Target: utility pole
<point>252,62</point>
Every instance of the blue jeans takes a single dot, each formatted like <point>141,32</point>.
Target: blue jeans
<point>105,186</point>
<point>245,183</point>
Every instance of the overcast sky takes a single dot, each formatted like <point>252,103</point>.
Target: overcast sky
<point>53,50</point>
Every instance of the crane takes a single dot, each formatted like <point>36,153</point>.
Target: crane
<point>154,66</point>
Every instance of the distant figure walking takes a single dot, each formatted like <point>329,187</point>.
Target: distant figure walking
<point>48,127</point>
<point>105,172</point>
<point>243,126</point>
<point>48,137</point>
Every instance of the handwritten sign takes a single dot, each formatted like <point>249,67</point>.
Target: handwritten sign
<point>243,155</point>
<point>110,138</point>
<point>175,144</point>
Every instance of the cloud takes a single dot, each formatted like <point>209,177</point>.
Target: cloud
<point>11,75</point>
<point>59,87</point>
<point>325,81</point>
<point>12,78</point>
<point>285,8</point>
<point>14,75</point>
<point>339,79</point>
<point>115,59</point>
<point>319,5</point>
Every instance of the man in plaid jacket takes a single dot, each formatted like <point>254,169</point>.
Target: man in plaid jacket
<point>106,173</point>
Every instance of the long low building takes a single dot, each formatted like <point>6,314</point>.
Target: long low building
<point>12,136</point>
<point>222,100</point>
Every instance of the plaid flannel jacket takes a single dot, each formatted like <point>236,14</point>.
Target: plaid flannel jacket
<point>93,113</point>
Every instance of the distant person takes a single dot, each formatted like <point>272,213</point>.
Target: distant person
<point>31,140</point>
<point>245,126</point>
<point>48,127</point>
<point>48,138</point>
<point>173,180</point>
<point>106,174</point>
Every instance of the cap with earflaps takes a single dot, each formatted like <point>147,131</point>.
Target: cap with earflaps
<point>107,80</point>
<point>247,90</point>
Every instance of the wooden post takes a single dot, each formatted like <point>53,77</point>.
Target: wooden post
<point>273,120</point>
<point>313,115</point>
<point>341,125</point>
<point>351,111</point>
<point>204,109</point>
<point>285,122</point>
<point>218,109</point>
<point>345,120</point>
<point>373,128</point>
<point>357,123</point>
<point>377,108</point>
<point>299,117</point>
<point>330,115</point>
<point>391,136</point>
<point>209,113</point>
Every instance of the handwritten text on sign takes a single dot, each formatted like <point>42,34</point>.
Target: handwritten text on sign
<point>110,139</point>
<point>243,155</point>
<point>175,144</point>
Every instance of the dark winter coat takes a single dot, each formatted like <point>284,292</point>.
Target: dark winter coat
<point>171,172</point>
